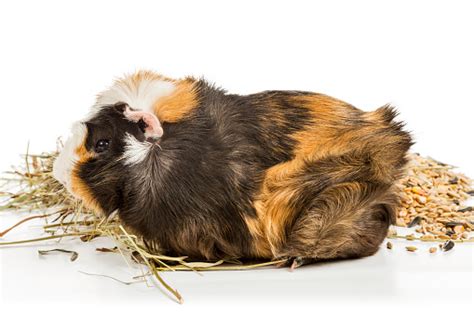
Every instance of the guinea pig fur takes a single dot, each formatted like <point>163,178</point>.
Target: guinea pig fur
<point>211,175</point>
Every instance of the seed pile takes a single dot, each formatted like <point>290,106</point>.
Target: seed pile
<point>433,200</point>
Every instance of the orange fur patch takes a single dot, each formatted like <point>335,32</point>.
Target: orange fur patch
<point>261,246</point>
<point>178,104</point>
<point>327,132</point>
<point>78,186</point>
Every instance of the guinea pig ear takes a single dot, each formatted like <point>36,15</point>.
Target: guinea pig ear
<point>121,107</point>
<point>149,123</point>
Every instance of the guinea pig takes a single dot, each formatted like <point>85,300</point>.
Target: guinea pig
<point>203,173</point>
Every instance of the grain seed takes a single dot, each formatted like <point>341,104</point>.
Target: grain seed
<point>448,245</point>
<point>414,222</point>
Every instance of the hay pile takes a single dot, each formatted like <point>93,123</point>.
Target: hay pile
<point>32,187</point>
<point>432,203</point>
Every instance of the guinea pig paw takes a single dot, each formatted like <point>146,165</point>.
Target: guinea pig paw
<point>284,264</point>
<point>297,262</point>
<point>293,262</point>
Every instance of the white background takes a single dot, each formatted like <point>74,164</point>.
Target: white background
<point>56,55</point>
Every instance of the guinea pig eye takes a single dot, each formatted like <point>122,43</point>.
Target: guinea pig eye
<point>102,145</point>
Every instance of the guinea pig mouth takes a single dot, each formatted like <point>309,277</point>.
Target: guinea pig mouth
<point>153,140</point>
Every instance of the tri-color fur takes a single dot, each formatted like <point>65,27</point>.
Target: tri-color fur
<point>268,175</point>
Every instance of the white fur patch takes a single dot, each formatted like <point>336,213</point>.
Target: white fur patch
<point>139,96</point>
<point>135,151</point>
<point>67,158</point>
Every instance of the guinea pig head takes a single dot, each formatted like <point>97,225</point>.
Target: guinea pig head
<point>92,164</point>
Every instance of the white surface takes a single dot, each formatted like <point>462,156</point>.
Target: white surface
<point>56,55</point>
<point>390,276</point>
